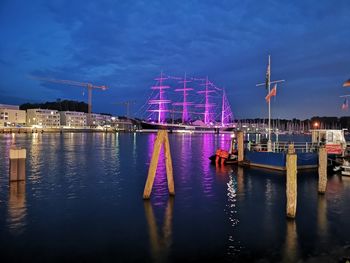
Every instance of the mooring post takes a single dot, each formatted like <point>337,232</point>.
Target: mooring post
<point>240,146</point>
<point>169,165</point>
<point>162,138</point>
<point>291,191</point>
<point>17,164</point>
<point>322,170</point>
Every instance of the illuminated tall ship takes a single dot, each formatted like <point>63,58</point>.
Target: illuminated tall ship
<point>198,107</point>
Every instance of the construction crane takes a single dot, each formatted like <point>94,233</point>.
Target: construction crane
<point>87,85</point>
<point>127,105</point>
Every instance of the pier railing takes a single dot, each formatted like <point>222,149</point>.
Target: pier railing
<point>283,146</point>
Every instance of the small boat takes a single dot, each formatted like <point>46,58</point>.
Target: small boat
<point>231,159</point>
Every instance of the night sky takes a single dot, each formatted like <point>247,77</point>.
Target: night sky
<point>125,45</point>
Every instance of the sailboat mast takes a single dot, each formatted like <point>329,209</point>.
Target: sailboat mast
<point>223,108</point>
<point>161,101</point>
<point>184,107</point>
<point>185,103</point>
<point>269,148</point>
<point>206,107</point>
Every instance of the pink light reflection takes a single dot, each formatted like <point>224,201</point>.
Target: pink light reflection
<point>207,151</point>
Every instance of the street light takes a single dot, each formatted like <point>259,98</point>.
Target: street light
<point>316,125</point>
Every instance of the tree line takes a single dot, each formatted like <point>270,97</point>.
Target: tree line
<point>60,105</point>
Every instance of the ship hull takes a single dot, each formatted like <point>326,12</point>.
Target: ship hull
<point>277,161</point>
<point>182,127</point>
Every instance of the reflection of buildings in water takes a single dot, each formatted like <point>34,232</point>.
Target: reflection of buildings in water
<point>160,244</point>
<point>290,250</point>
<point>17,209</point>
<point>34,155</point>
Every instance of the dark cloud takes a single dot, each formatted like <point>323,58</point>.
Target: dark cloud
<point>125,44</point>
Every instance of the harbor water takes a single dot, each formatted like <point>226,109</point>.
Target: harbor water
<point>82,202</point>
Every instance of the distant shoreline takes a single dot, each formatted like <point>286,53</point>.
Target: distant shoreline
<point>25,130</point>
<point>58,130</point>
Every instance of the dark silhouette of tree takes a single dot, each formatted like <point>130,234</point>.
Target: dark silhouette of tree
<point>64,105</point>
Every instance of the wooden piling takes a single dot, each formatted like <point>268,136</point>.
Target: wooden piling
<point>240,146</point>
<point>17,164</point>
<point>322,170</point>
<point>162,139</point>
<point>169,165</point>
<point>291,191</point>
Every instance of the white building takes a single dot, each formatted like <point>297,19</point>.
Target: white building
<point>100,119</point>
<point>11,115</point>
<point>43,118</point>
<point>73,119</point>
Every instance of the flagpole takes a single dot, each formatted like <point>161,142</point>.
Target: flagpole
<point>269,148</point>
<point>267,85</point>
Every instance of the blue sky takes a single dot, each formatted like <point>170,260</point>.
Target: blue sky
<point>125,45</point>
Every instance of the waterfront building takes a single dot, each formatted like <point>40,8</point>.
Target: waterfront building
<point>100,119</point>
<point>11,115</point>
<point>43,118</point>
<point>73,119</point>
<point>122,124</point>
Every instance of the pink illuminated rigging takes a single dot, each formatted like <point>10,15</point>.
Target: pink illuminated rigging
<point>161,101</point>
<point>226,112</point>
<point>208,107</point>
<point>204,106</point>
<point>184,103</point>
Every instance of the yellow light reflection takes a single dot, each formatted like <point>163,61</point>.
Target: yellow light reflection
<point>160,244</point>
<point>17,210</point>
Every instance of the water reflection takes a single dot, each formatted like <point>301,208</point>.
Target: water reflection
<point>240,182</point>
<point>186,157</point>
<point>134,148</point>
<point>17,210</point>
<point>207,151</point>
<point>322,217</point>
<point>224,142</point>
<point>269,205</point>
<point>231,211</point>
<point>290,250</point>
<point>160,242</point>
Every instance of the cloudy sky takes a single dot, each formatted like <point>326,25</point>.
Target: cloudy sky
<point>125,45</point>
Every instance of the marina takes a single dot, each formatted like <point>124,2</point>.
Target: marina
<point>174,131</point>
<point>92,177</point>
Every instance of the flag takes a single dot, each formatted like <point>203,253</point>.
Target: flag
<point>273,92</point>
<point>346,83</point>
<point>345,104</point>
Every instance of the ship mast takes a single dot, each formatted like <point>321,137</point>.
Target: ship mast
<point>223,108</point>
<point>185,103</point>
<point>226,112</point>
<point>207,104</point>
<point>161,101</point>
<point>268,86</point>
